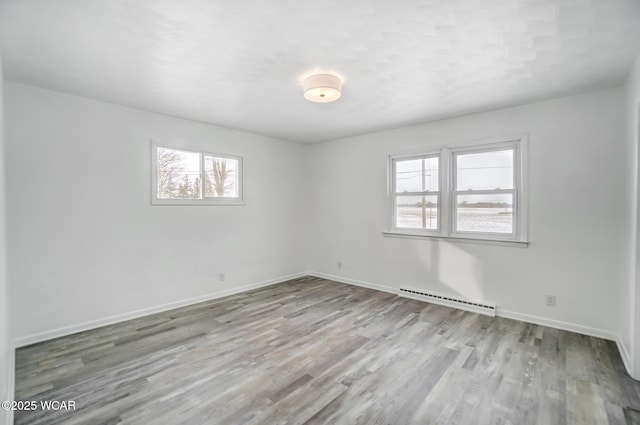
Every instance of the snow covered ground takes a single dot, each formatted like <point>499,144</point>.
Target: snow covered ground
<point>492,220</point>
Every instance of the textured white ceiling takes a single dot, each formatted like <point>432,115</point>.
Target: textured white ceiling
<point>240,63</point>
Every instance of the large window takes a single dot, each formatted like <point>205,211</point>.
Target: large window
<point>189,177</point>
<point>473,192</point>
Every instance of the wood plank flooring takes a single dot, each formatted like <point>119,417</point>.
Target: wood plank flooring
<point>312,351</point>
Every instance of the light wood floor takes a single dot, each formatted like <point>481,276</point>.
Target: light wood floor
<point>311,351</point>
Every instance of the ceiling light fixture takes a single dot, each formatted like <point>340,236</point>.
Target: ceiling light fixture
<point>322,88</point>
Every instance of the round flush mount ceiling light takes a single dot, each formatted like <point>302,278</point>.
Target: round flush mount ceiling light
<point>322,88</point>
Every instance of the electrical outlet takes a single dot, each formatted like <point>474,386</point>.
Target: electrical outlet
<point>551,300</point>
<point>221,277</point>
<point>339,264</point>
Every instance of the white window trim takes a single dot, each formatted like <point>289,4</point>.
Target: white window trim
<point>447,210</point>
<point>228,201</point>
<point>393,194</point>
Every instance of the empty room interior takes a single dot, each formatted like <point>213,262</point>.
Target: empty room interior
<point>280,212</point>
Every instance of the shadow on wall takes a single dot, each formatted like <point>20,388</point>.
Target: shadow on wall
<point>447,269</point>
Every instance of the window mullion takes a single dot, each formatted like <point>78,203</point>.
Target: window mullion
<point>425,193</point>
<point>445,189</point>
<point>202,176</point>
<point>483,192</point>
<point>424,199</point>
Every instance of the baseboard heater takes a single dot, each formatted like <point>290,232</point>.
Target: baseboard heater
<point>462,304</point>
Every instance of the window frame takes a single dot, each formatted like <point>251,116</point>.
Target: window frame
<point>239,200</point>
<point>395,193</point>
<point>448,193</point>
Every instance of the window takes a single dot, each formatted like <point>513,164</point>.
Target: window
<point>470,192</point>
<point>189,177</point>
<point>417,192</point>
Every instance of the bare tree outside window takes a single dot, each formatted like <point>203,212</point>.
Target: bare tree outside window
<point>220,174</point>
<point>178,174</point>
<point>169,166</point>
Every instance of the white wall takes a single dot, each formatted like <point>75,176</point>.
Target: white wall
<point>630,294</point>
<point>84,241</point>
<point>576,226</point>
<point>81,227</point>
<point>6,375</point>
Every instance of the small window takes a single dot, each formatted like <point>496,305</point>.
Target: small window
<point>189,177</point>
<point>471,192</point>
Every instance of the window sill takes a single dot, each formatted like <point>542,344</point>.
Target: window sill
<point>477,241</point>
<point>197,203</point>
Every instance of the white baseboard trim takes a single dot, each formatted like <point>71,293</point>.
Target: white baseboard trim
<point>93,324</point>
<point>355,282</point>
<point>626,357</point>
<point>557,324</point>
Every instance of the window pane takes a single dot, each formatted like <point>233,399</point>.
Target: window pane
<point>178,174</point>
<point>485,213</point>
<point>417,175</point>
<point>417,212</point>
<point>485,171</point>
<point>221,177</point>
